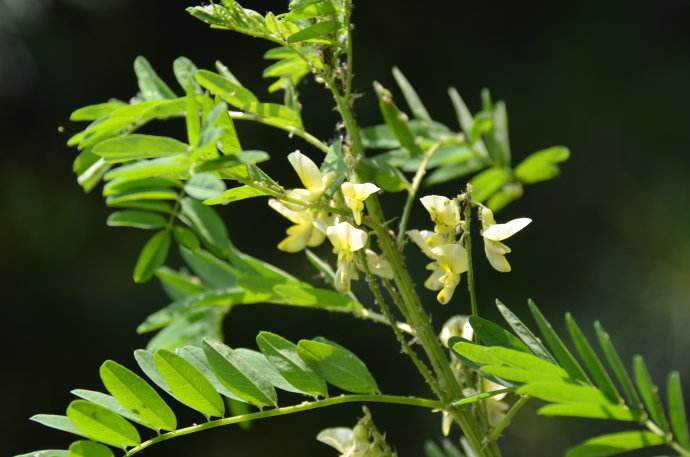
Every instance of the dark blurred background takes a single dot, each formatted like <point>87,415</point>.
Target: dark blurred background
<point>609,239</point>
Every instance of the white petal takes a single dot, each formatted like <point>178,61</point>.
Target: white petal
<point>298,235</point>
<point>307,171</point>
<point>433,282</point>
<point>442,209</point>
<point>339,438</point>
<point>346,238</point>
<point>487,217</point>
<point>378,265</point>
<point>452,258</point>
<point>317,237</point>
<point>500,232</point>
<point>422,239</point>
<point>495,253</point>
<point>295,216</point>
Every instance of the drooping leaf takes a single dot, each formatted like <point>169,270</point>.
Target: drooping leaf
<point>238,376</point>
<point>338,366</point>
<point>648,392</point>
<point>152,256</point>
<point>283,354</point>
<point>184,70</point>
<point>491,334</point>
<point>93,112</point>
<point>138,146</point>
<point>632,399</point>
<point>207,224</point>
<point>542,165</point>
<point>102,425</point>
<point>555,392</point>
<point>615,443</point>
<point>397,121</point>
<point>318,30</point>
<point>89,449</point>
<point>236,194</point>
<point>488,182</point>
<point>676,410</point>
<point>136,219</point>
<point>189,385</point>
<point>152,87</point>
<point>588,410</point>
<point>203,186</point>
<point>230,91</point>
<point>413,100</point>
<point>260,362</point>
<point>108,402</point>
<point>591,360</point>
<point>135,394</point>
<point>58,422</point>
<point>525,334</point>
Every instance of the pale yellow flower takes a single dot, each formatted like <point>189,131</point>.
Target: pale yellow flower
<point>315,184</point>
<point>378,265</point>
<point>355,194</point>
<point>445,213</point>
<point>346,240</point>
<point>494,234</point>
<point>305,232</point>
<point>452,263</point>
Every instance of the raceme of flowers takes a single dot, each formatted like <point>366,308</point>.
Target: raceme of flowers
<point>444,245</point>
<point>304,207</point>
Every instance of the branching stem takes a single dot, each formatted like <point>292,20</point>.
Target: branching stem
<point>343,399</point>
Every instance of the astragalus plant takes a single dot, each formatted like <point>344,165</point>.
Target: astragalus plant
<point>478,373</point>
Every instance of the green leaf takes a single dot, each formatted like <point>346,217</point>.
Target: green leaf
<point>102,425</point>
<point>491,334</point>
<point>385,176</point>
<point>461,111</point>
<point>588,410</point>
<point>188,384</point>
<point>591,360</point>
<point>560,392</point>
<point>233,160</point>
<point>318,30</point>
<point>632,399</point>
<point>152,87</point>
<point>46,453</point>
<point>230,91</point>
<point>195,355</point>
<point>190,327</point>
<point>93,112</point>
<point>615,443</point>
<point>89,449</point>
<point>204,186</point>
<point>152,256</point>
<point>166,166</point>
<point>276,115</point>
<point>488,182</point>
<point>135,394</point>
<point>413,100</point>
<point>207,224</point>
<point>397,121</point>
<point>236,194</point>
<point>108,402</point>
<point>560,351</point>
<point>184,70</point>
<point>259,362</point>
<point>137,146</point>
<point>506,195</point>
<point>676,410</point>
<point>499,146</point>
<point>136,219</point>
<point>542,165</point>
<point>524,333</point>
<point>239,376</point>
<point>57,422</point>
<point>649,393</point>
<point>283,354</point>
<point>452,172</point>
<point>192,120</point>
<point>120,185</point>
<point>213,271</point>
<point>185,237</point>
<point>338,366</point>
<point>145,205</point>
<point>133,196</point>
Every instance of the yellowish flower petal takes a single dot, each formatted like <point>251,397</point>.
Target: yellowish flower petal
<point>294,216</point>
<point>452,258</point>
<point>425,240</point>
<point>297,238</point>
<point>346,238</point>
<point>500,232</point>
<point>307,171</point>
<point>495,252</point>
<point>317,237</point>
<point>442,210</point>
<point>355,194</point>
<point>378,265</point>
<point>433,282</point>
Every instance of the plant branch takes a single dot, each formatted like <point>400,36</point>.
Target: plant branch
<point>343,399</point>
<point>306,136</point>
<point>471,287</point>
<point>412,191</point>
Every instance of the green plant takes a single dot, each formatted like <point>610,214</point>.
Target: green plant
<point>479,373</point>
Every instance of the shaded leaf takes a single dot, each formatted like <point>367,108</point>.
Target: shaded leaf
<point>102,425</point>
<point>152,256</point>
<point>615,443</point>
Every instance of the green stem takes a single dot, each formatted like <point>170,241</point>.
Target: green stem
<point>306,136</point>
<point>412,192</point>
<point>505,422</point>
<point>343,399</point>
<point>471,288</point>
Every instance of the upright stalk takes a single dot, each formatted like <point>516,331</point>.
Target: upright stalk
<point>471,288</point>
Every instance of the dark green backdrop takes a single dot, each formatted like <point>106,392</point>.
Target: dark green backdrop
<point>609,239</point>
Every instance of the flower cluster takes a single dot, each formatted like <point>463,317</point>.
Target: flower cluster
<point>444,245</point>
<point>310,212</point>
